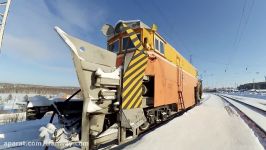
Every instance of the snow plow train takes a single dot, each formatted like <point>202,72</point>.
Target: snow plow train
<point>140,81</point>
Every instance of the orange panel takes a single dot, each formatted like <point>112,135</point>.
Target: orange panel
<point>189,82</point>
<point>166,82</point>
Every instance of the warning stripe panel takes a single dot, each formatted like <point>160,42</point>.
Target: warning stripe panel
<point>130,70</point>
<point>137,75</point>
<point>137,60</point>
<point>131,84</point>
<point>131,96</point>
<point>134,73</point>
<point>126,89</point>
<point>136,99</point>
<point>138,103</point>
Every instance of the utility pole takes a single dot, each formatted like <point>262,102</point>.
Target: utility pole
<point>4,5</point>
<point>253,83</point>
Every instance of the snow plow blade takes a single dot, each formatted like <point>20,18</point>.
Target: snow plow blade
<point>99,81</point>
<point>98,119</point>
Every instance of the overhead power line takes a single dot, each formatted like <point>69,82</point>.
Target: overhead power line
<point>240,23</point>
<point>164,19</point>
<point>246,21</point>
<point>245,16</point>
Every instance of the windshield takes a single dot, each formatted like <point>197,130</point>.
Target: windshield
<point>127,43</point>
<point>114,47</point>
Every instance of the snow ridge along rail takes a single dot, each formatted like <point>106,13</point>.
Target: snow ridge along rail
<point>262,110</point>
<point>255,114</point>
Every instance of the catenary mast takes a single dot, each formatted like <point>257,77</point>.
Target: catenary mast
<point>4,7</point>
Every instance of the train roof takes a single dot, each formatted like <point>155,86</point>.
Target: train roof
<point>133,24</point>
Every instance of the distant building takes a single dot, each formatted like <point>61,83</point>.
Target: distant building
<point>248,86</point>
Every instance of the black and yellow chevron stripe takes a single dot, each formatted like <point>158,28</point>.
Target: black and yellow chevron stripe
<point>134,73</point>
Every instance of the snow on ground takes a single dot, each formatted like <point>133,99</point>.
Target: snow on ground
<point>12,117</point>
<point>256,102</point>
<point>20,96</point>
<point>211,125</point>
<point>260,95</point>
<point>27,132</point>
<point>10,101</point>
<point>258,117</point>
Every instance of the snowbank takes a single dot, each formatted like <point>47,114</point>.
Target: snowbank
<point>12,117</point>
<point>213,125</point>
<point>27,131</point>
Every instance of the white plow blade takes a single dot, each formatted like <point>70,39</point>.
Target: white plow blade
<point>87,59</point>
<point>64,36</point>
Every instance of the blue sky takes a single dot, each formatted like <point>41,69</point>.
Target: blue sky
<point>227,39</point>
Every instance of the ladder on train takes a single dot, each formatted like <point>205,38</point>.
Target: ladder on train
<point>181,104</point>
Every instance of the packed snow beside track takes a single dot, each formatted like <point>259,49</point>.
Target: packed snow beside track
<point>213,125</point>
<point>253,114</point>
<point>260,95</point>
<point>257,102</point>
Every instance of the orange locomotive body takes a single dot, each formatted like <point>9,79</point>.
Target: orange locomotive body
<point>174,78</point>
<point>169,81</point>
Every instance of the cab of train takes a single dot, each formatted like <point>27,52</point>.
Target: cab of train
<point>119,41</point>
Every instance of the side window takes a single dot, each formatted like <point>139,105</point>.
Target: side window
<point>157,44</point>
<point>161,47</point>
<point>128,44</point>
<point>114,47</point>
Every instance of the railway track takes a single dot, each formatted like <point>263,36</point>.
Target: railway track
<point>255,112</point>
<point>260,108</point>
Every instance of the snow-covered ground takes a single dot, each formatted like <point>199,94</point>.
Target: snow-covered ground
<point>12,117</point>
<point>256,102</point>
<point>18,135</point>
<point>213,125</point>
<point>260,95</point>
<point>256,116</point>
<point>13,105</point>
<point>13,100</point>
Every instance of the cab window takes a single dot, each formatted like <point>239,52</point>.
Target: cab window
<point>127,43</point>
<point>159,45</point>
<point>114,47</point>
<point>156,44</point>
